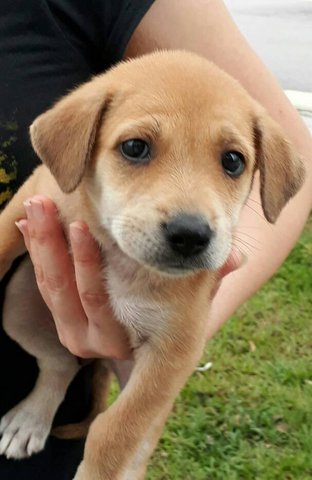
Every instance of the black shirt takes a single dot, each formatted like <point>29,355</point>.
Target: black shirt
<point>46,48</point>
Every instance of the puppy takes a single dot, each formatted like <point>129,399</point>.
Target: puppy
<point>157,156</point>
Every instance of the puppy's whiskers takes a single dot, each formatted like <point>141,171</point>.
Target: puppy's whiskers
<point>260,215</point>
<point>237,241</point>
<point>239,232</point>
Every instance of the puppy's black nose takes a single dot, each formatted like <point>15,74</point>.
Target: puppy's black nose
<point>187,234</point>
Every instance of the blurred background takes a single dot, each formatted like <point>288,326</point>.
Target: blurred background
<point>281,33</point>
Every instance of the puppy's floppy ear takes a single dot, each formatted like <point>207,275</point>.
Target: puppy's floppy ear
<point>281,169</point>
<point>64,136</point>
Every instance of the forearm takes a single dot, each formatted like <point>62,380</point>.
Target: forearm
<point>207,28</point>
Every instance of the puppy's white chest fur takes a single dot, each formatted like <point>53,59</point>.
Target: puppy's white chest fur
<point>135,305</point>
<point>142,317</point>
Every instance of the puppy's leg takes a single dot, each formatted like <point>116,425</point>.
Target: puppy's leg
<point>121,440</point>
<point>27,320</point>
<point>100,388</point>
<point>11,240</point>
<point>101,379</point>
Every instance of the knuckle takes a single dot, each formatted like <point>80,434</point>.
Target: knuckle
<point>73,343</point>
<point>67,342</point>
<point>55,283</point>
<point>38,236</point>
<point>72,348</point>
<point>86,259</point>
<point>62,339</point>
<point>85,353</point>
<point>39,274</point>
<point>93,299</point>
<point>78,350</point>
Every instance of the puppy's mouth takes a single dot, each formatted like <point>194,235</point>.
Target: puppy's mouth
<point>181,266</point>
<point>162,262</point>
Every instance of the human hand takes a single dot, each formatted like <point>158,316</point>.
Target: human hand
<point>235,260</point>
<point>73,287</point>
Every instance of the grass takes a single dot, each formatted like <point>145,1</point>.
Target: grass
<point>250,416</point>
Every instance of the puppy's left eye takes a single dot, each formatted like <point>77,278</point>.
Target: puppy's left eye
<point>233,163</point>
<point>135,150</point>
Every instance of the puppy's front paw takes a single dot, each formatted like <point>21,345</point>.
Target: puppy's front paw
<point>22,433</point>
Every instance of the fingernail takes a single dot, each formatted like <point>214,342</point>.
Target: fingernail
<point>37,209</point>
<point>34,209</point>
<point>21,225</point>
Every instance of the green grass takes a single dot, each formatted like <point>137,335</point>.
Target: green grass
<point>250,416</point>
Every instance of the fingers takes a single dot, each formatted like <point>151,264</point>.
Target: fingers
<point>104,332</point>
<point>88,269</point>
<point>53,266</point>
<point>235,260</point>
<point>75,293</point>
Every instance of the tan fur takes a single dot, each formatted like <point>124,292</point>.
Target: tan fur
<point>191,112</point>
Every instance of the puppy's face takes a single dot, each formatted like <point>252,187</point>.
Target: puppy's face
<point>173,146</point>
<point>172,172</point>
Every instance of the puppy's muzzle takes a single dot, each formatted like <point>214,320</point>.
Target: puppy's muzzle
<point>187,235</point>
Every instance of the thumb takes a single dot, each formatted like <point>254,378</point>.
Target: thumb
<point>235,260</point>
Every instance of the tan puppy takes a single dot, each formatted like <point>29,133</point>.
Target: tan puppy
<point>157,156</point>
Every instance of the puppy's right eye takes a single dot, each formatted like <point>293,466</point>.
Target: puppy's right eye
<point>135,150</point>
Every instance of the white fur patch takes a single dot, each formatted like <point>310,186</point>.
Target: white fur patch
<point>24,430</point>
<point>144,317</point>
<point>135,307</point>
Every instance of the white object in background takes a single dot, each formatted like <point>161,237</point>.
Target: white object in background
<point>303,103</point>
<point>204,368</point>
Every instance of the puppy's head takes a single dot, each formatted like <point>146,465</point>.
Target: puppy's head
<point>166,147</point>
